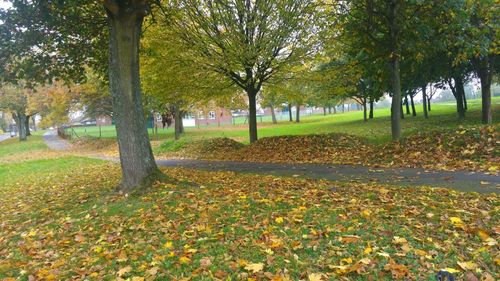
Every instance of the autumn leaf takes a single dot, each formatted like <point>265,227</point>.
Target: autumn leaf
<point>124,271</point>
<point>254,267</point>
<point>315,277</point>
<point>467,265</point>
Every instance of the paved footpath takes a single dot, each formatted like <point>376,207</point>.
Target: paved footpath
<point>4,137</point>
<point>55,142</point>
<point>457,180</point>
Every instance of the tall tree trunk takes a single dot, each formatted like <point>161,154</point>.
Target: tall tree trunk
<point>343,108</point>
<point>407,105</point>
<point>458,97</point>
<point>329,110</point>
<point>252,113</point>
<point>33,120</point>
<point>484,68</point>
<point>290,111</point>
<point>486,101</point>
<point>365,115</point>
<point>424,101</point>
<point>324,111</point>
<point>413,111</point>
<point>465,100</point>
<point>297,113</point>
<point>273,115</point>
<point>181,122</point>
<point>402,112</point>
<point>428,104</point>
<point>177,122</point>
<point>335,110</point>
<point>21,123</point>
<point>136,157</point>
<point>371,109</point>
<point>395,71</point>
<point>27,125</point>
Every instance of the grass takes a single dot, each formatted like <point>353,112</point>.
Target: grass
<point>61,219</point>
<point>376,130</point>
<point>13,146</point>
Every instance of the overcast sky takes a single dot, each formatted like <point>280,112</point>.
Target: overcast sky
<point>4,4</point>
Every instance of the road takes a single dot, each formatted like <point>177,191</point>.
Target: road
<point>4,136</point>
<point>458,180</point>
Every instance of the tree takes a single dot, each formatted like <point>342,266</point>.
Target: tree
<point>14,98</point>
<point>272,97</point>
<point>70,35</point>
<point>172,80</point>
<point>482,37</point>
<point>246,41</point>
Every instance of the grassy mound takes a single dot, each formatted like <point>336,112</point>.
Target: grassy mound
<point>205,148</point>
<point>473,148</point>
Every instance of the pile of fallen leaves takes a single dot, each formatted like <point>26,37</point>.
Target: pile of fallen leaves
<point>474,149</point>
<point>218,226</point>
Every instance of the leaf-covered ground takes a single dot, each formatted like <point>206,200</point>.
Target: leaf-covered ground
<point>61,219</point>
<point>474,148</point>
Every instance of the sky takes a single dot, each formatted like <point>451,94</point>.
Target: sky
<point>4,4</point>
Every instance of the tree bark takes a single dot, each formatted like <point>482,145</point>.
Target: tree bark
<point>27,126</point>
<point>273,115</point>
<point>395,71</point>
<point>429,104</point>
<point>413,111</point>
<point>465,100</point>
<point>371,109</point>
<point>136,157</point>
<point>21,122</point>
<point>33,120</point>
<point>402,112</point>
<point>177,122</point>
<point>329,110</point>
<point>459,88</point>
<point>324,111</point>
<point>486,101</point>
<point>484,69</point>
<point>297,114</point>
<point>407,105</point>
<point>365,115</point>
<point>181,122</point>
<point>424,101</point>
<point>335,110</point>
<point>252,113</point>
<point>290,111</point>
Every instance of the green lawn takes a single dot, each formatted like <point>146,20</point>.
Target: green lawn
<point>14,146</point>
<point>62,219</point>
<point>376,130</point>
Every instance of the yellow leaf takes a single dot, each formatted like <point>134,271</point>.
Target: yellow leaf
<point>484,236</point>
<point>315,276</point>
<point>366,213</point>
<point>451,270</point>
<point>137,278</point>
<point>254,267</point>
<point>167,245</point>
<point>467,265</point>
<point>346,260</point>
<point>421,253</point>
<point>279,220</point>
<point>184,260</point>
<point>457,222</point>
<point>399,240</point>
<point>368,250</point>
